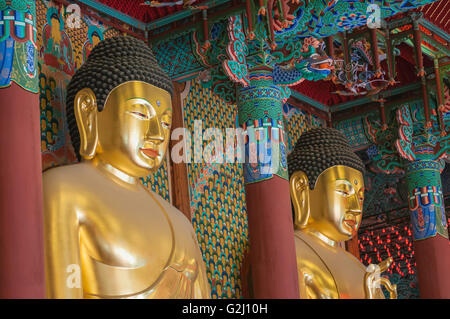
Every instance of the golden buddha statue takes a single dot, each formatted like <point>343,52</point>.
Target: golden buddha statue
<point>327,192</point>
<point>106,235</point>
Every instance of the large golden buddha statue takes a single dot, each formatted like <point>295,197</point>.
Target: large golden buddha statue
<point>327,192</point>
<point>106,236</point>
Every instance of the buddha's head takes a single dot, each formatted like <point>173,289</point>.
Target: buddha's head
<point>326,184</point>
<point>119,107</point>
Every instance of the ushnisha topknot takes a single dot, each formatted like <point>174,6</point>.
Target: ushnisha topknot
<point>319,149</point>
<point>112,62</point>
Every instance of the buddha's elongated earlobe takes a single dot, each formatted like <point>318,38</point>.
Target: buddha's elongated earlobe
<point>85,107</point>
<point>299,189</point>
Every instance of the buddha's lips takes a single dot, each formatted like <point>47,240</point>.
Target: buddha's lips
<point>350,222</point>
<point>150,152</point>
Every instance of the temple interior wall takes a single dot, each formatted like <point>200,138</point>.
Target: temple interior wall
<point>217,194</point>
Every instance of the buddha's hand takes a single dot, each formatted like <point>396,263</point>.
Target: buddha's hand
<point>373,281</point>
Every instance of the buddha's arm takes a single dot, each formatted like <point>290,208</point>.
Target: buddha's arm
<point>62,252</point>
<point>311,288</point>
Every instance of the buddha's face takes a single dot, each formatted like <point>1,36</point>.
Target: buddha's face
<point>336,202</point>
<point>134,128</point>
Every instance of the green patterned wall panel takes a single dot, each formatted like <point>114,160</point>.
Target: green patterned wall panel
<point>218,209</point>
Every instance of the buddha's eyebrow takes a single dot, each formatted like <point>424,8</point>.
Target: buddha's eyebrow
<point>139,98</point>
<point>145,100</point>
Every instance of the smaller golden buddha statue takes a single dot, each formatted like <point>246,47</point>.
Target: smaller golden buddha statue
<point>106,235</point>
<point>327,193</point>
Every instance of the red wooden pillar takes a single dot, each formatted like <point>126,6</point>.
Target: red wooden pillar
<point>421,73</point>
<point>22,272</point>
<point>376,56</point>
<point>431,244</point>
<point>383,116</point>
<point>439,96</point>
<point>330,46</point>
<point>21,221</point>
<point>352,246</point>
<point>346,57</point>
<point>390,57</point>
<point>273,263</point>
<point>271,234</point>
<point>433,267</point>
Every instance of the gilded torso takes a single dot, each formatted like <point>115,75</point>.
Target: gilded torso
<point>131,243</point>
<point>327,272</point>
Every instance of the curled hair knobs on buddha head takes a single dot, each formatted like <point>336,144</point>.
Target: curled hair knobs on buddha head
<point>319,149</point>
<point>112,62</point>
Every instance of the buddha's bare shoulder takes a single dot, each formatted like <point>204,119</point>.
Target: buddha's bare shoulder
<point>303,248</point>
<point>72,184</point>
<point>178,218</point>
<point>67,175</point>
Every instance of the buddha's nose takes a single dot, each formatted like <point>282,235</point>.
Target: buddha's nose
<point>355,204</point>
<point>155,131</point>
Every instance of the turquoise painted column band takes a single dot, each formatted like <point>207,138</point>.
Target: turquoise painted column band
<point>18,50</point>
<point>262,99</point>
<point>426,201</point>
<point>260,112</point>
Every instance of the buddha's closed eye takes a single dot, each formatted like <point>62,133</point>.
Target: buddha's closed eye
<point>342,192</point>
<point>138,115</point>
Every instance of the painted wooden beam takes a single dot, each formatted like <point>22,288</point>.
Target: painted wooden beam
<point>384,94</point>
<point>439,32</point>
<point>182,14</point>
<point>115,24</point>
<point>310,101</point>
<point>100,7</point>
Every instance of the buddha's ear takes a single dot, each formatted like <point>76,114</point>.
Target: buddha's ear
<point>299,189</point>
<point>85,107</point>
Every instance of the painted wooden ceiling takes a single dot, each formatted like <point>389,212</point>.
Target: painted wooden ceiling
<point>437,12</point>
<point>143,13</point>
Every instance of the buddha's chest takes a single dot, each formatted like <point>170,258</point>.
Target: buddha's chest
<point>134,246</point>
<point>349,277</point>
<point>328,272</point>
<point>126,231</point>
